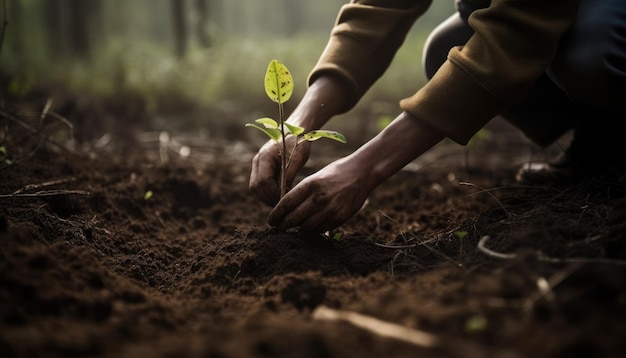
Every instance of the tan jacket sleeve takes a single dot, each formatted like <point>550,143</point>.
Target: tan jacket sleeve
<point>513,44</point>
<point>366,36</point>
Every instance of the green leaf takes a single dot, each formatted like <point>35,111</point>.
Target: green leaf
<point>476,323</point>
<point>148,195</point>
<point>337,236</point>
<point>267,122</point>
<point>460,234</point>
<point>315,135</point>
<point>295,130</point>
<point>3,152</point>
<point>278,82</point>
<point>273,133</point>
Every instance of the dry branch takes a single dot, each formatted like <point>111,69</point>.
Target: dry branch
<point>482,247</point>
<point>378,327</point>
<point>45,193</point>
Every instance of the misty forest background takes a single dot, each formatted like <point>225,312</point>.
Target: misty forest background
<point>184,63</point>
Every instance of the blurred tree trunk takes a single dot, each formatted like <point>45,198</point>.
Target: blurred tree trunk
<point>117,24</point>
<point>293,16</point>
<point>78,34</point>
<point>202,30</point>
<point>73,26</point>
<point>15,29</point>
<point>217,13</point>
<point>55,27</point>
<point>179,27</point>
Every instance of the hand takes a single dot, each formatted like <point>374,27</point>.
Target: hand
<point>327,199</point>
<point>265,174</point>
<point>324,98</point>
<point>324,200</point>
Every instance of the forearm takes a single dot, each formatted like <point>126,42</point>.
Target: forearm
<point>364,41</point>
<point>323,99</point>
<point>397,145</point>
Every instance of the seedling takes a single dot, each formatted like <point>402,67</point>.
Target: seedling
<point>279,88</point>
<point>461,235</point>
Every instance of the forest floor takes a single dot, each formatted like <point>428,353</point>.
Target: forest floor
<point>125,248</point>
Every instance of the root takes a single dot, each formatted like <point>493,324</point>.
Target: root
<point>482,190</point>
<point>378,327</point>
<point>21,193</point>
<point>32,131</point>
<point>482,247</point>
<point>44,193</point>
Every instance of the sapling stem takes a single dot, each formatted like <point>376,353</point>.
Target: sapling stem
<point>283,155</point>
<point>279,87</point>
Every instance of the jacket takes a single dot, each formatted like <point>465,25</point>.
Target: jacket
<point>513,44</point>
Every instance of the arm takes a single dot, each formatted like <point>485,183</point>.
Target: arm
<point>362,43</point>
<point>328,198</point>
<point>513,44</point>
<point>322,100</point>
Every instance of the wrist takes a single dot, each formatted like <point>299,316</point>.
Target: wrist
<point>405,139</point>
<point>323,99</point>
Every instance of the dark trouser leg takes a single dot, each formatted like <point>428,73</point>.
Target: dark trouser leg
<point>544,115</point>
<point>591,62</point>
<point>584,89</point>
<point>590,67</point>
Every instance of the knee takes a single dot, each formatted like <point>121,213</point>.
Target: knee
<point>453,31</point>
<point>591,64</point>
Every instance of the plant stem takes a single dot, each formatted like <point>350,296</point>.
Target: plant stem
<point>283,152</point>
<point>5,23</point>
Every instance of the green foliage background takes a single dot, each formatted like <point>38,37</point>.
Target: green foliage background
<point>131,53</point>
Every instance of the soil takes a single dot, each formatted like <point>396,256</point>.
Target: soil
<point>121,247</point>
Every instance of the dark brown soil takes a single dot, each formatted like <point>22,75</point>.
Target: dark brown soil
<point>90,267</point>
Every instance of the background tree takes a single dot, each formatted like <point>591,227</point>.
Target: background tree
<point>73,26</point>
<point>179,27</point>
<point>202,8</point>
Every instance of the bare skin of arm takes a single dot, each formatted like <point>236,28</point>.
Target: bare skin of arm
<point>328,198</point>
<point>323,99</point>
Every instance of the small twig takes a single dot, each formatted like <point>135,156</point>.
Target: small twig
<point>396,247</point>
<point>483,248</point>
<point>402,231</point>
<point>508,215</point>
<point>5,23</point>
<point>37,132</point>
<point>42,185</point>
<point>378,327</point>
<point>437,252</point>
<point>158,216</point>
<point>164,141</point>
<point>407,246</point>
<point>545,290</point>
<point>63,120</point>
<point>45,193</point>
<point>543,258</point>
<point>44,112</point>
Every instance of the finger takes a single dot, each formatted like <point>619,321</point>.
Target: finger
<point>330,218</point>
<point>319,222</point>
<point>297,216</point>
<point>262,180</point>
<point>288,204</point>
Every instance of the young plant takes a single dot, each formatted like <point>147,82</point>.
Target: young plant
<point>279,88</point>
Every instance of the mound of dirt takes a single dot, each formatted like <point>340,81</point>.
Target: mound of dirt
<point>120,251</point>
